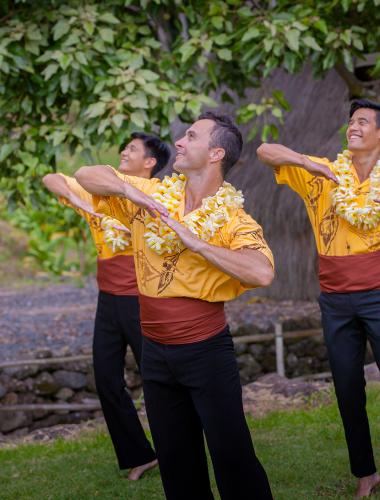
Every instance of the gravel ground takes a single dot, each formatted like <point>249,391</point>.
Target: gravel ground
<point>59,318</point>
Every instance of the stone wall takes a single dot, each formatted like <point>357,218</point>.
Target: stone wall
<point>73,382</point>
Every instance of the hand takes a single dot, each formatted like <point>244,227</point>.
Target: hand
<point>144,201</point>
<point>188,238</point>
<point>318,169</point>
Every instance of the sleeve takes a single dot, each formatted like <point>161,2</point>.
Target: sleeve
<point>121,208</point>
<point>297,178</point>
<point>247,233</point>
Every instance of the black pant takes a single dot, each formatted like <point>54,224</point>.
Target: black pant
<point>348,320</point>
<point>117,325</point>
<point>193,388</point>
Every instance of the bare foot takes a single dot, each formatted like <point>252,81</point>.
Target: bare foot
<point>137,472</point>
<point>367,485</point>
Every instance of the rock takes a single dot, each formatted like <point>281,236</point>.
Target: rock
<point>291,361</point>
<point>11,398</point>
<point>45,384</point>
<point>64,394</point>
<point>249,368</point>
<point>130,362</point>
<point>73,380</point>
<point>3,391</point>
<point>21,372</point>
<point>10,421</point>
<point>256,350</point>
<point>372,373</point>
<point>133,380</point>
<point>268,362</point>
<point>240,349</point>
<point>43,353</point>
<point>90,385</point>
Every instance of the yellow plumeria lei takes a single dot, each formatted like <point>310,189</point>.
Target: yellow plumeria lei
<point>345,199</point>
<point>214,212</point>
<point>114,238</point>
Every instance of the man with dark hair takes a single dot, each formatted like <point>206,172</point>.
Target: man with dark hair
<point>117,323</point>
<point>340,199</point>
<point>195,248</point>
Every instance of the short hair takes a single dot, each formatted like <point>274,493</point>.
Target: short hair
<point>154,147</point>
<point>226,135</point>
<point>365,103</point>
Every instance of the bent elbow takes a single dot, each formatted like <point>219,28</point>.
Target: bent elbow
<point>262,151</point>
<point>81,174</point>
<point>267,278</point>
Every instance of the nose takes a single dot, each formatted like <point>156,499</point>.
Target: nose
<point>179,142</point>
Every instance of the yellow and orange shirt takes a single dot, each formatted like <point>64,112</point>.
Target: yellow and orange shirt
<point>347,254</point>
<point>115,269</point>
<point>163,279</point>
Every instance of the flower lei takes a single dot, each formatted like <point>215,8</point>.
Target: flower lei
<point>114,238</point>
<point>214,212</point>
<point>345,199</point>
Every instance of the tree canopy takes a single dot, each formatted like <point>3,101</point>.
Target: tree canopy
<point>82,75</point>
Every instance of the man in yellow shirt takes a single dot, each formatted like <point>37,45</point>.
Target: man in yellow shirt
<point>117,323</point>
<point>190,375</point>
<point>340,198</point>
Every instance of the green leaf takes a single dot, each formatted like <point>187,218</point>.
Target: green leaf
<point>217,22</point>
<point>221,39</point>
<point>96,109</point>
<point>118,120</point>
<point>138,101</point>
<point>179,107</point>
<point>60,29</point>
<point>81,58</point>
<point>311,42</point>
<point>89,27</point>
<point>321,26</point>
<point>253,132</point>
<point>50,70</point>
<point>109,18</point>
<point>106,34</point>
<point>250,34</point>
<point>148,75</point>
<point>292,39</point>
<point>225,54</point>
<point>5,151</point>
<point>58,137</point>
<point>138,118</point>
<point>65,82</point>
<point>187,51</point>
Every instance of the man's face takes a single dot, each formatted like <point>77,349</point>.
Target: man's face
<point>193,150</point>
<point>362,132</point>
<point>133,159</point>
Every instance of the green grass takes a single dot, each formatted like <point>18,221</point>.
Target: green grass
<point>303,452</point>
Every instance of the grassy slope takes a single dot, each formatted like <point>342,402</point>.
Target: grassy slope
<point>303,452</point>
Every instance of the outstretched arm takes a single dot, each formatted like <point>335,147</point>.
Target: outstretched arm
<point>275,155</point>
<point>251,267</point>
<point>57,185</point>
<point>102,180</point>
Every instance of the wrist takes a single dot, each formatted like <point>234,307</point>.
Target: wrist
<point>200,246</point>
<point>304,160</point>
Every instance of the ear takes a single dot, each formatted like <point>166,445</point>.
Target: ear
<point>217,155</point>
<point>150,162</point>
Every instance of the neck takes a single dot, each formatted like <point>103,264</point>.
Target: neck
<point>145,173</point>
<point>199,186</point>
<point>364,162</point>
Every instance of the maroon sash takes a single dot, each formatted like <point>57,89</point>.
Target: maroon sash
<point>350,273</point>
<point>180,320</point>
<point>117,275</point>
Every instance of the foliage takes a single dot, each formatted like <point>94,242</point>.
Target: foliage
<point>303,452</point>
<point>84,75</point>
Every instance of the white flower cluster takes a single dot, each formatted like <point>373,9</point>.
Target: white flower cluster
<point>203,222</point>
<point>345,198</point>
<point>114,238</point>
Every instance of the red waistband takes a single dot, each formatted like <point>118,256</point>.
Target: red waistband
<point>180,320</point>
<point>350,273</point>
<point>117,275</point>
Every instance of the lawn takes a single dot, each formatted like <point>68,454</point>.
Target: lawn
<point>303,452</point>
